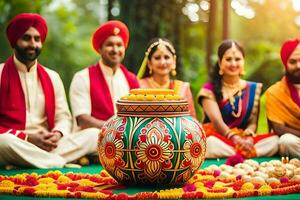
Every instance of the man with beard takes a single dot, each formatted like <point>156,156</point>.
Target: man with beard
<point>35,121</point>
<point>283,101</point>
<point>95,89</point>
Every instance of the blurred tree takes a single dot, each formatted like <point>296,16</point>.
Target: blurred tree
<point>226,9</point>
<point>147,19</point>
<point>211,32</point>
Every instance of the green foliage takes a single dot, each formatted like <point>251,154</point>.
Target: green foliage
<point>263,63</point>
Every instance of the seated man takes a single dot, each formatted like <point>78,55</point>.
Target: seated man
<point>95,89</point>
<point>35,121</point>
<point>283,101</point>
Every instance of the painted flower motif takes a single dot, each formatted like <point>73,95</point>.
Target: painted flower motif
<point>194,145</point>
<point>154,149</point>
<point>111,146</point>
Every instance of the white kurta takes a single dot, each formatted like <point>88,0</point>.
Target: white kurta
<point>80,89</point>
<point>70,147</point>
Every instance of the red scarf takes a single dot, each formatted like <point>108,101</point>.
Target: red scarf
<point>101,101</point>
<point>12,99</point>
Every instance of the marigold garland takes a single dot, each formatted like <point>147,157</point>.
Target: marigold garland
<point>204,184</point>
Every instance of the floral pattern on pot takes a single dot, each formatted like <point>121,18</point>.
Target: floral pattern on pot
<point>152,150</point>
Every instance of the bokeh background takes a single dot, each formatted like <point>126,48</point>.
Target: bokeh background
<point>196,27</point>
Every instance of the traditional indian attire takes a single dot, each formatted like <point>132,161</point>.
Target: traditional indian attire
<point>248,102</point>
<point>181,88</point>
<point>283,107</point>
<point>283,103</point>
<point>32,101</point>
<point>96,89</point>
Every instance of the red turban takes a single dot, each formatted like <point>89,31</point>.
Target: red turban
<point>21,23</point>
<point>107,29</point>
<point>287,49</point>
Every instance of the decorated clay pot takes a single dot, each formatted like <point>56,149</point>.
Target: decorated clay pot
<point>152,140</point>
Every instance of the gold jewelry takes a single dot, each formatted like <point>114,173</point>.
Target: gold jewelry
<point>160,43</point>
<point>231,97</point>
<point>221,72</point>
<point>173,72</point>
<point>242,72</point>
<point>143,66</point>
<point>154,84</point>
<point>150,71</point>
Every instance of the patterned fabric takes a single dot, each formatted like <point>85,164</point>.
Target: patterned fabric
<point>282,104</point>
<point>250,101</point>
<point>249,98</point>
<point>211,131</point>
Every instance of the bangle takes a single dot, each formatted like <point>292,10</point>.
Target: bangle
<point>249,132</point>
<point>229,133</point>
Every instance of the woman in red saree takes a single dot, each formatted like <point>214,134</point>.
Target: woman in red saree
<point>231,107</point>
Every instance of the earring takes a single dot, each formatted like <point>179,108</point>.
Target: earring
<point>221,72</point>
<point>173,71</point>
<point>150,71</point>
<point>242,72</point>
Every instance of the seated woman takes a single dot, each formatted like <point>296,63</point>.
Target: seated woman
<point>158,64</point>
<point>231,107</point>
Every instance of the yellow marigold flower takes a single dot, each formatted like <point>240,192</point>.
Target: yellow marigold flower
<point>247,186</point>
<point>20,177</point>
<point>63,179</point>
<point>42,193</point>
<point>7,184</point>
<point>41,187</point>
<point>175,193</point>
<point>218,185</point>
<point>215,195</point>
<point>34,175</point>
<point>56,172</point>
<point>264,190</point>
<point>21,190</point>
<point>86,182</point>
<point>94,195</point>
<point>198,184</point>
<point>6,190</point>
<point>206,177</point>
<point>231,177</point>
<point>46,180</point>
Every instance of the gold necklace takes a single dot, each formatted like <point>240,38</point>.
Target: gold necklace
<point>154,84</point>
<point>237,89</point>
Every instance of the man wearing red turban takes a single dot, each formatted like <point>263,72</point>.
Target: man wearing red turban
<point>283,101</point>
<point>35,121</point>
<point>95,89</point>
